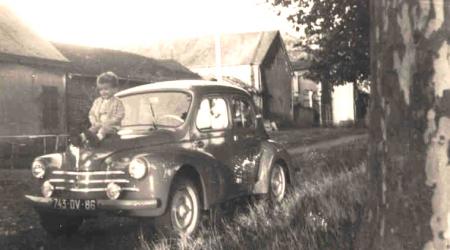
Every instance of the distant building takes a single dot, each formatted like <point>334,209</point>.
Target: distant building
<point>32,92</point>
<point>87,63</point>
<point>306,96</point>
<point>258,59</point>
<point>348,104</point>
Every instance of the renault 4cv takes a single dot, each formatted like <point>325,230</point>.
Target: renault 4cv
<point>182,147</point>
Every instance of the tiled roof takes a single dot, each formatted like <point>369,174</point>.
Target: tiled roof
<point>237,49</point>
<point>93,61</point>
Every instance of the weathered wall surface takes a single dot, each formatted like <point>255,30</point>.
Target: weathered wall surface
<point>276,82</point>
<point>23,98</point>
<point>409,167</point>
<point>32,112</point>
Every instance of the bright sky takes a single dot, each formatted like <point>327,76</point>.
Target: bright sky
<point>122,23</point>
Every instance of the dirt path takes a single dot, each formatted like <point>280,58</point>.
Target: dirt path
<point>326,144</point>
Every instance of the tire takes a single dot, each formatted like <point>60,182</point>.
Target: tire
<point>183,213</point>
<point>278,184</point>
<point>57,225</point>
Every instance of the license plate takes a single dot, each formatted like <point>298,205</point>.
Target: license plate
<point>75,204</point>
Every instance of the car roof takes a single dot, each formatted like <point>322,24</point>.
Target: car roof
<point>212,86</point>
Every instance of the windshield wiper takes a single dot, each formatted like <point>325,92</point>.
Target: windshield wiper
<point>153,116</point>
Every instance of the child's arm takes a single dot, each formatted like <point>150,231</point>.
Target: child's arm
<point>92,117</point>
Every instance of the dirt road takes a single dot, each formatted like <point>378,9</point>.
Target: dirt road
<point>326,144</point>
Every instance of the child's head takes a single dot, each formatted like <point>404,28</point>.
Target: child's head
<point>107,84</point>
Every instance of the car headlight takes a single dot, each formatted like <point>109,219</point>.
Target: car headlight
<point>38,169</point>
<point>47,189</point>
<point>137,168</point>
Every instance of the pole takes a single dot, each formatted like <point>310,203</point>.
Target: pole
<point>218,57</point>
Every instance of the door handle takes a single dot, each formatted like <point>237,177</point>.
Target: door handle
<point>199,144</point>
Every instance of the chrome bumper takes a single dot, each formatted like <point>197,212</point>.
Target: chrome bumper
<point>43,202</point>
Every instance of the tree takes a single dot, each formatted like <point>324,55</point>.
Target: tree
<point>337,37</point>
<point>408,168</point>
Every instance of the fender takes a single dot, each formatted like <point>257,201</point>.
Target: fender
<point>167,163</point>
<point>270,153</point>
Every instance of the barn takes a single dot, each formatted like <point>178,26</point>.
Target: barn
<point>32,93</point>
<point>258,59</point>
<point>86,63</point>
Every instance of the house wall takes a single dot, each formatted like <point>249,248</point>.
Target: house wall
<point>295,88</point>
<point>242,72</point>
<point>277,85</point>
<point>343,105</point>
<point>24,94</point>
<point>32,112</point>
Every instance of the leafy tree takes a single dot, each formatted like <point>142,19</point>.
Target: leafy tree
<point>336,37</point>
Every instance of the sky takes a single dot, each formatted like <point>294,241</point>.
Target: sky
<point>120,23</point>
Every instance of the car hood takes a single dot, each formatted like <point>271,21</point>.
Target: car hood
<point>92,158</point>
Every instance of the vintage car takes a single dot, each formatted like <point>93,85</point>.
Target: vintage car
<point>183,147</point>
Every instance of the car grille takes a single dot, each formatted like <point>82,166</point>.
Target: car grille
<point>89,181</point>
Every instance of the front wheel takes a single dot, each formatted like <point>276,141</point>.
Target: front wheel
<point>56,224</point>
<point>277,184</point>
<point>182,215</point>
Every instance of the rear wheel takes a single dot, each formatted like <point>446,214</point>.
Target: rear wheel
<point>277,184</point>
<point>183,213</point>
<point>56,224</point>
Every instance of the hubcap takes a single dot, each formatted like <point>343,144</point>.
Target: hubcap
<point>184,210</point>
<point>278,183</point>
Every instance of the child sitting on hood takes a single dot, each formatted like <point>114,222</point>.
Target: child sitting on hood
<point>107,111</point>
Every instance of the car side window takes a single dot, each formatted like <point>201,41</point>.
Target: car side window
<point>212,114</point>
<point>243,113</point>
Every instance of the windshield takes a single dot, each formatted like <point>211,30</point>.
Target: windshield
<point>156,108</point>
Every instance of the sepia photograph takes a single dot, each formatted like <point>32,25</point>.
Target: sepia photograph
<point>225,124</point>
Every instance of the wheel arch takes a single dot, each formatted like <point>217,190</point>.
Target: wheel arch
<point>190,172</point>
<point>272,153</point>
<point>282,162</point>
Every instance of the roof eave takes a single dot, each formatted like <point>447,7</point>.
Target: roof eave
<point>285,52</point>
<point>38,61</point>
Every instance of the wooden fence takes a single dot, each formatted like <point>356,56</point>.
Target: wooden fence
<point>19,151</point>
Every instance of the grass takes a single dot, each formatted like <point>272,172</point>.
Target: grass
<point>322,212</point>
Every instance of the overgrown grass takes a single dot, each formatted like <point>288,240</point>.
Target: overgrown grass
<point>321,212</point>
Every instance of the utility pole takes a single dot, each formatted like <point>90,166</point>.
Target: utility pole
<point>218,53</point>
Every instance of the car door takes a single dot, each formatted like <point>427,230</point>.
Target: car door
<point>246,142</point>
<point>212,135</point>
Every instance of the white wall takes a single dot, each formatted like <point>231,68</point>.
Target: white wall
<point>343,104</point>
<point>242,72</point>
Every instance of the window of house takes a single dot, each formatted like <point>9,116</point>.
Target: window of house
<point>50,111</point>
<point>243,113</point>
<point>212,114</point>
